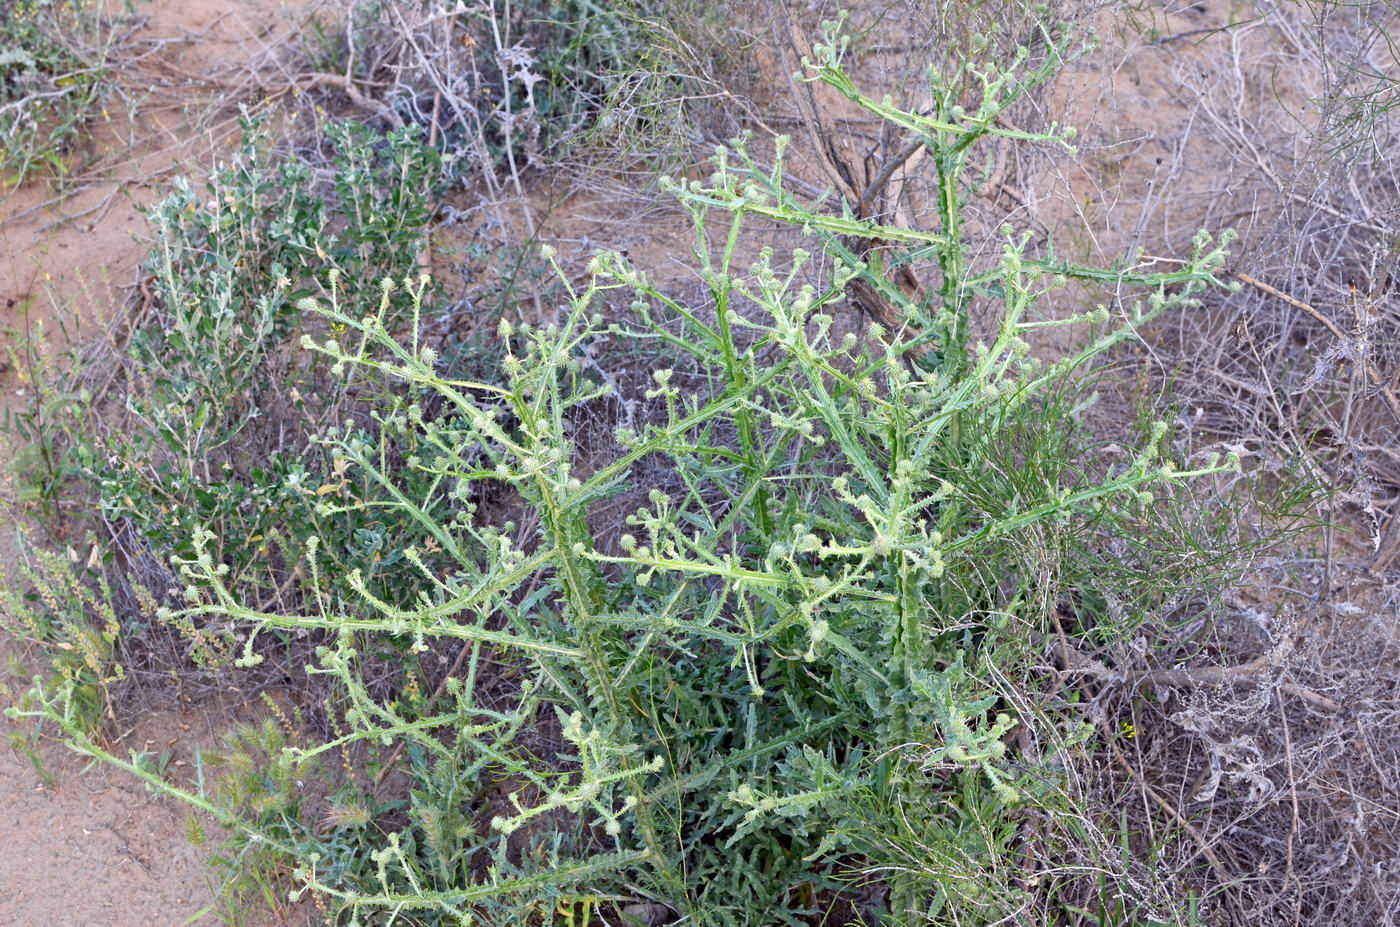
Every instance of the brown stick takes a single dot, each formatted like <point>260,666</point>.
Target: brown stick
<point>1213,858</point>
<point>425,257</point>
<point>1290,875</point>
<point>1372,374</point>
<point>303,81</point>
<point>1076,662</point>
<point>824,134</point>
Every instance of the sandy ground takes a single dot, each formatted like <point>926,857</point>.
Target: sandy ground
<point>94,849</point>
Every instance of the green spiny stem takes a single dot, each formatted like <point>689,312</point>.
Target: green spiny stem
<point>737,380</point>
<point>583,592</point>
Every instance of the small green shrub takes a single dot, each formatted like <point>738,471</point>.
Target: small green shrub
<point>41,430</point>
<point>214,431</point>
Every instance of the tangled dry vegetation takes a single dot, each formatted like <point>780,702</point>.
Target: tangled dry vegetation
<point>911,517</point>
<point>1298,370</point>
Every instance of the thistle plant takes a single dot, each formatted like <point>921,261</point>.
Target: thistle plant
<point>791,658</point>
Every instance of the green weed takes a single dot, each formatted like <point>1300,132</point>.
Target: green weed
<point>214,432</point>
<point>784,689</point>
<point>63,605</point>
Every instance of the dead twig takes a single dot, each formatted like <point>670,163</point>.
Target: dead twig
<point>1290,874</point>
<point>301,82</point>
<point>1372,374</point>
<point>1217,865</point>
<point>1075,661</point>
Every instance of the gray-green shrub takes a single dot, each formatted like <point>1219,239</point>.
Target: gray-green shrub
<point>213,433</point>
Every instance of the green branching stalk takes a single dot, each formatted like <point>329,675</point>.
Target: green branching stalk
<point>785,666</point>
